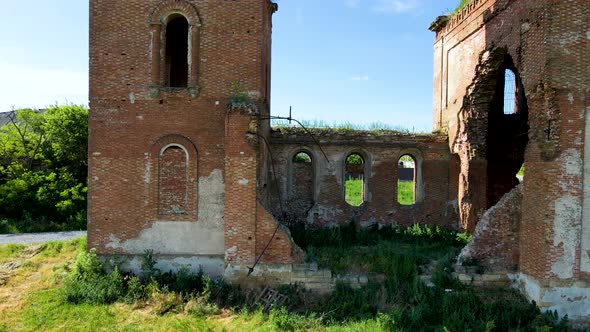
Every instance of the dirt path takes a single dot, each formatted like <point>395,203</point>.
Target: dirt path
<point>31,238</point>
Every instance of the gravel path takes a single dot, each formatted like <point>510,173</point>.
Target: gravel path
<point>31,238</point>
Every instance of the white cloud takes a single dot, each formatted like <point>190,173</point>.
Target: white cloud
<point>352,3</point>
<point>23,86</point>
<point>394,6</point>
<point>360,78</point>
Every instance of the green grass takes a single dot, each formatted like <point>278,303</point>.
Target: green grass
<point>405,192</point>
<point>33,299</point>
<point>354,192</point>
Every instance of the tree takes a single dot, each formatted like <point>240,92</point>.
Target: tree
<point>43,168</point>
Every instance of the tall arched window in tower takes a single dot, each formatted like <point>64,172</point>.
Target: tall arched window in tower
<point>177,34</point>
<point>173,180</point>
<point>509,92</point>
<point>354,179</point>
<point>406,180</point>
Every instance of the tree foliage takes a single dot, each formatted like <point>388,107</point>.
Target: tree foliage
<point>43,169</point>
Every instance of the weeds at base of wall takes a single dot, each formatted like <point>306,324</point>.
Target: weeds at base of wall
<point>399,302</point>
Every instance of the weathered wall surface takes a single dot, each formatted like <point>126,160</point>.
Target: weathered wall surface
<point>546,43</point>
<point>157,161</point>
<point>495,242</point>
<point>381,152</point>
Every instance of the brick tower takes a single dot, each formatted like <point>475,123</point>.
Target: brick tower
<point>171,168</point>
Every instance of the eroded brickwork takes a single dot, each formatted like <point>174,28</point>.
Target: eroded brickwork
<point>381,153</point>
<point>546,44</point>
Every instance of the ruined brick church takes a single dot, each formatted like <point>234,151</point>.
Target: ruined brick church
<point>181,163</point>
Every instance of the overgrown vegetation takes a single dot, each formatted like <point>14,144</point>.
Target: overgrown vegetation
<point>80,295</point>
<point>345,126</point>
<point>43,170</point>
<point>461,5</point>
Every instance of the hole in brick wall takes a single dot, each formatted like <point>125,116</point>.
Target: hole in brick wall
<point>507,134</point>
<point>354,179</point>
<point>406,180</point>
<point>161,101</point>
<point>177,52</point>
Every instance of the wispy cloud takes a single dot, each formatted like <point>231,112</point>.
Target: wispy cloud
<point>395,6</point>
<point>352,3</point>
<point>360,78</point>
<point>386,6</point>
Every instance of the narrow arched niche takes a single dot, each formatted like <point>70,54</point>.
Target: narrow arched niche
<point>177,52</point>
<point>173,180</point>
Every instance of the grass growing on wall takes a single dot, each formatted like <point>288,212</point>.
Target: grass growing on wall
<point>354,192</point>
<point>461,5</point>
<point>405,192</point>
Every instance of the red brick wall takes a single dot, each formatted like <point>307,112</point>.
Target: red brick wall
<point>381,154</point>
<point>132,113</point>
<point>547,41</point>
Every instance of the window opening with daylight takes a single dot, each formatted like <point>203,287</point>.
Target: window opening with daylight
<point>354,180</point>
<point>302,176</point>
<point>406,180</point>
<point>509,92</point>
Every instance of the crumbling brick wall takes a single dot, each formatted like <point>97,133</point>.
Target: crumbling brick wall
<point>546,43</point>
<point>381,152</point>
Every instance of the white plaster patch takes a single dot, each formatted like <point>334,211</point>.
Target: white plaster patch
<point>243,182</point>
<point>211,203</point>
<point>96,154</point>
<point>173,238</point>
<point>570,98</point>
<point>132,98</point>
<point>572,162</point>
<point>566,235</point>
<point>212,266</point>
<point>572,300</point>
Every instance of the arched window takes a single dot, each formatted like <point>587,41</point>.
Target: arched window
<point>173,180</point>
<point>177,34</point>
<point>302,176</point>
<point>509,92</point>
<point>354,179</point>
<point>406,180</point>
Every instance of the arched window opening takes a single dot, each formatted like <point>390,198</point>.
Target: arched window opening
<point>354,180</point>
<point>406,181</point>
<point>177,52</point>
<point>302,177</point>
<point>173,181</point>
<point>509,92</point>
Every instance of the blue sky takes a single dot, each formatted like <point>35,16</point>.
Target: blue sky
<point>358,61</point>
